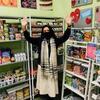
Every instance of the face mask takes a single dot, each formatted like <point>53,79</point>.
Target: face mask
<point>47,35</point>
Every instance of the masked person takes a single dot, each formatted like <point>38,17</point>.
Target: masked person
<point>47,43</point>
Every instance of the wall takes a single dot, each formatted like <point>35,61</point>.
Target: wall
<point>13,11</point>
<point>63,7</point>
<point>7,11</point>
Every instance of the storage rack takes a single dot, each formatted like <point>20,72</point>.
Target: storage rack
<point>94,88</point>
<point>94,85</point>
<point>13,87</point>
<point>76,61</point>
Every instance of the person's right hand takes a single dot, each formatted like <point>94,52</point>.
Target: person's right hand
<point>24,23</point>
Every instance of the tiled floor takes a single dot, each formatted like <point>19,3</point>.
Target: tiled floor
<point>47,98</point>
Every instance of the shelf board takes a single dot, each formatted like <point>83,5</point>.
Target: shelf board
<point>9,41</point>
<point>79,59</point>
<point>69,60</point>
<point>26,97</point>
<point>98,43</point>
<point>14,84</point>
<point>56,26</point>
<point>16,88</point>
<point>75,45</point>
<point>85,28</point>
<point>40,26</point>
<point>95,83</point>
<point>77,62</point>
<point>74,61</point>
<point>74,41</point>
<point>97,64</point>
<point>9,63</point>
<point>74,90</point>
<point>83,42</point>
<point>79,76</point>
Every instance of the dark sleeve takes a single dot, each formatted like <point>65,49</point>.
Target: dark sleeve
<point>64,37</point>
<point>32,40</point>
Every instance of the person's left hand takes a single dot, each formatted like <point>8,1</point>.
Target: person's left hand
<point>24,23</point>
<point>69,20</point>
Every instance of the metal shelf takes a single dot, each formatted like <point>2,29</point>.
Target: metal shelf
<point>79,76</point>
<point>20,87</point>
<point>81,42</point>
<point>2,41</point>
<point>97,64</point>
<point>83,63</point>
<point>14,84</point>
<point>78,46</point>
<point>96,83</point>
<point>9,63</point>
<point>74,41</point>
<point>79,59</point>
<point>74,90</point>
<point>33,17</point>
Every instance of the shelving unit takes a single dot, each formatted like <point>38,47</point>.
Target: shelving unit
<point>77,67</point>
<point>14,61</point>
<point>94,87</point>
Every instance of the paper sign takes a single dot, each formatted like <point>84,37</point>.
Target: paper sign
<point>82,18</point>
<point>85,1</point>
<point>97,16</point>
<point>90,51</point>
<point>76,3</point>
<point>86,13</point>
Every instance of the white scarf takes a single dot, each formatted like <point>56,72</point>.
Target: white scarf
<point>47,78</point>
<point>48,64</point>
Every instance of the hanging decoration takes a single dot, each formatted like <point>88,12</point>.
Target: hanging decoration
<point>97,16</point>
<point>75,3</point>
<point>10,3</point>
<point>82,18</point>
<point>29,4</point>
<point>75,15</point>
<point>46,4</point>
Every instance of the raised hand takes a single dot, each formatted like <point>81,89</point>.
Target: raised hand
<point>68,20</point>
<point>24,23</point>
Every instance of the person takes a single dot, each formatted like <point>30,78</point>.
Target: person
<point>47,43</point>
